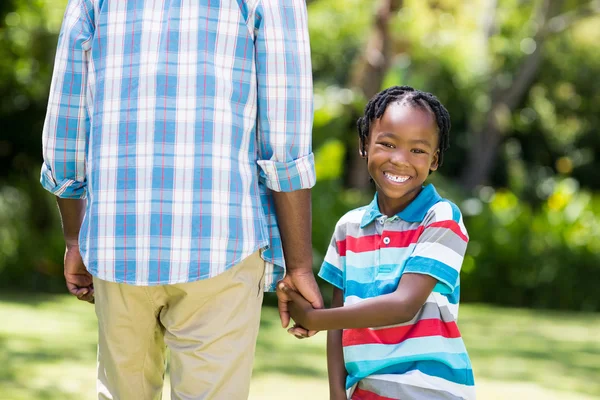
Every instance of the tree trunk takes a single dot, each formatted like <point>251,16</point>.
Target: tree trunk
<point>367,78</point>
<point>488,139</point>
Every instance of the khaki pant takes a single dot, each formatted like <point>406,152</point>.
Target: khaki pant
<point>210,327</point>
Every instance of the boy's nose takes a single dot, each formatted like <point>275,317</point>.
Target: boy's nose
<point>399,157</point>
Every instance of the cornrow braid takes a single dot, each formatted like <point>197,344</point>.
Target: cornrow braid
<point>405,94</point>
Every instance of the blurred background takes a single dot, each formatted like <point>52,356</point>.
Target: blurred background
<point>521,80</point>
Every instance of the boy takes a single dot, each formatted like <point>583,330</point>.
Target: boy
<point>395,264</point>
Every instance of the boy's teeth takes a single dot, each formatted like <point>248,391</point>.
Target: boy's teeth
<point>396,178</point>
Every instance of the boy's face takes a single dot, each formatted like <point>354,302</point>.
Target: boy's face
<point>402,148</point>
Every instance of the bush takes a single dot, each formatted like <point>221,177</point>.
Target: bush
<point>543,257</point>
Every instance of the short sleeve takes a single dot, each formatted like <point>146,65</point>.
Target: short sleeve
<point>332,269</point>
<point>441,247</point>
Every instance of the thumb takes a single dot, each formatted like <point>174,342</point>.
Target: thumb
<point>288,291</point>
<point>283,287</point>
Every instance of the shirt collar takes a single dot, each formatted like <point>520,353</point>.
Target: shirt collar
<point>414,212</point>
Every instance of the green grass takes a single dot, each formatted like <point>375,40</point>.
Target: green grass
<point>48,350</point>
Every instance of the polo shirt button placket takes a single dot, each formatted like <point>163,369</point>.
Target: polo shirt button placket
<point>386,240</point>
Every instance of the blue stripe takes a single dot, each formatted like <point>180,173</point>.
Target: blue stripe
<point>440,271</point>
<point>463,376</point>
<point>454,297</point>
<point>332,275</point>
<point>449,350</point>
<point>368,275</point>
<point>125,218</point>
<point>377,288</point>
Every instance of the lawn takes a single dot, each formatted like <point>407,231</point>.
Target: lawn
<point>47,351</point>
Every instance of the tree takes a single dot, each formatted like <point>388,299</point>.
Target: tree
<point>485,140</point>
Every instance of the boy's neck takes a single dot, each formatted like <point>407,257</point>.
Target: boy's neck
<point>390,207</point>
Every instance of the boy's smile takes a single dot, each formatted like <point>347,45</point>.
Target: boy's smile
<point>402,149</point>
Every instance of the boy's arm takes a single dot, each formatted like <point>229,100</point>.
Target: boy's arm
<point>434,263</point>
<point>335,356</point>
<point>390,309</point>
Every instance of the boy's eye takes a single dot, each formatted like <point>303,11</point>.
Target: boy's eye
<point>387,144</point>
<point>418,151</point>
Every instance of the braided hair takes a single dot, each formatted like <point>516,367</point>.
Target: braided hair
<point>405,94</point>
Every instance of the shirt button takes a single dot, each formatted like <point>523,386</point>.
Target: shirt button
<point>381,221</point>
<point>386,240</point>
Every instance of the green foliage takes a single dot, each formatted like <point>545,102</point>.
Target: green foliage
<point>545,257</point>
<point>31,246</point>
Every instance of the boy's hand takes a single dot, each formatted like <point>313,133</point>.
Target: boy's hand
<point>299,308</point>
<point>305,285</point>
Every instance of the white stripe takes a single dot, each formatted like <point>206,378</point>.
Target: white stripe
<point>353,216</point>
<point>419,379</point>
<point>222,138</point>
<point>442,301</point>
<point>333,258</point>
<point>151,30</point>
<point>439,252</point>
<point>185,116</point>
<point>442,211</point>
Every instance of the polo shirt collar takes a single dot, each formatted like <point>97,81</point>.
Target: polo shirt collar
<point>414,212</point>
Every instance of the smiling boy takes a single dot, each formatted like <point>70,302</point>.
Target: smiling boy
<point>395,265</point>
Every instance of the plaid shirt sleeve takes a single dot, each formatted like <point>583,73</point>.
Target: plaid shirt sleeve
<point>285,98</point>
<point>66,127</point>
<point>441,247</point>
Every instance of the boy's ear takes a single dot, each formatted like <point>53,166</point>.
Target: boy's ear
<point>363,148</point>
<point>435,163</point>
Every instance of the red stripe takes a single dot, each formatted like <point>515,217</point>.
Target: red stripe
<point>398,334</point>
<point>452,225</point>
<point>375,242</point>
<point>361,394</point>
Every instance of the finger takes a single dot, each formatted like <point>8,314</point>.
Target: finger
<point>86,296</point>
<point>291,293</point>
<point>284,314</point>
<point>311,333</point>
<point>76,290</point>
<point>317,298</point>
<point>297,335</point>
<point>297,330</point>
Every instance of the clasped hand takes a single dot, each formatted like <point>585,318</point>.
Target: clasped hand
<point>299,309</point>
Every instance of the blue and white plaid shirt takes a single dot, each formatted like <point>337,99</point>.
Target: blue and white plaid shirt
<point>175,119</point>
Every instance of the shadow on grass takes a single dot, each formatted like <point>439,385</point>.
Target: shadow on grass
<point>278,353</point>
<point>40,337</point>
<point>554,350</point>
<point>45,334</point>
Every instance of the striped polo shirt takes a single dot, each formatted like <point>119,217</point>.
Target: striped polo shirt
<point>424,358</point>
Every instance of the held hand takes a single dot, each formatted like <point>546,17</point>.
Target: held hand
<point>298,307</point>
<point>79,280</point>
<point>305,285</point>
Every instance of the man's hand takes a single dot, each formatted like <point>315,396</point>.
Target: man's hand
<point>79,280</point>
<point>298,307</point>
<point>305,285</point>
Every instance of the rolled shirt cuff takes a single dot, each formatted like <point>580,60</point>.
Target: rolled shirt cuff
<point>63,188</point>
<point>289,176</point>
